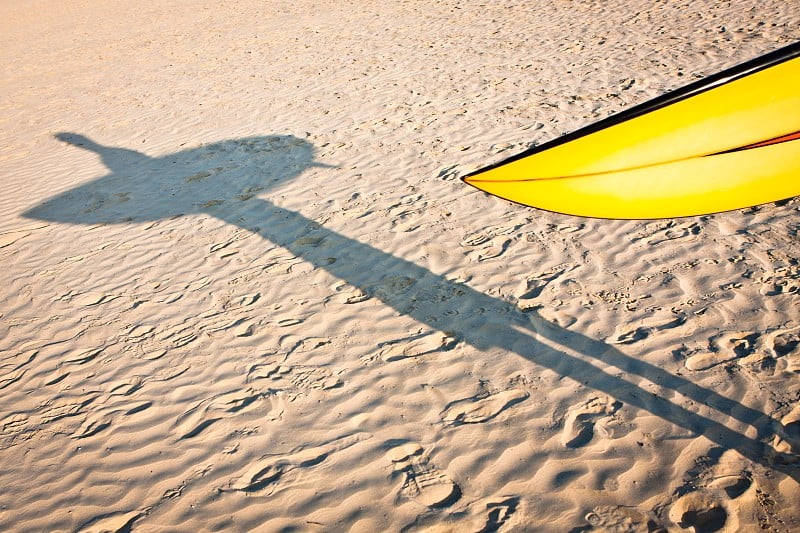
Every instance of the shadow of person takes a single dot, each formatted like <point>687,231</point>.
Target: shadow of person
<point>143,188</point>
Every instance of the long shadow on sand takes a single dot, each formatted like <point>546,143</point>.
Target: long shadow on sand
<point>140,188</point>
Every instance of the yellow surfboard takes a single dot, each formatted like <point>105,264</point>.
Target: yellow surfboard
<point>729,141</point>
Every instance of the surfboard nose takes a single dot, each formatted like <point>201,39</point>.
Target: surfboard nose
<point>672,156</point>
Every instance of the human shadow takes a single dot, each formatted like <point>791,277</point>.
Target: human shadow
<point>222,180</point>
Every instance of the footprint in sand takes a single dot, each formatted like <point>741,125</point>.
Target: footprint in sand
<point>555,317</point>
<point>580,420</point>
<point>700,511</point>
<point>482,407</point>
<point>659,232</point>
<point>783,280</point>
<point>356,296</point>
<point>496,249</point>
<point>731,485</point>
<point>725,347</point>
<point>115,521</point>
<point>627,335</point>
<point>391,287</point>
<point>490,241</point>
<point>499,513</point>
<point>786,342</point>
<point>294,380</point>
<point>417,345</point>
<point>787,443</point>
<point>269,470</point>
<point>421,481</point>
<point>618,518</point>
<point>786,350</point>
<point>713,498</point>
<point>729,477</point>
<point>405,216</point>
<point>205,413</point>
<point>475,239</point>
<point>535,284</point>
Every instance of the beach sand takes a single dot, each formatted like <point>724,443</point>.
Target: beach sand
<point>244,288</point>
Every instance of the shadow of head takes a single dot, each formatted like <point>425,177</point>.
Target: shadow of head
<point>211,178</point>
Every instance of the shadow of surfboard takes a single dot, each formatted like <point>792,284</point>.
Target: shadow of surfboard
<point>140,188</point>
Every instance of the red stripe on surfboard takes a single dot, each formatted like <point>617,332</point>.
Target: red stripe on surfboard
<point>782,139</point>
<point>776,140</point>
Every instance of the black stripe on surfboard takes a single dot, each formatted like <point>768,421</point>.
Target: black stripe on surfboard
<point>715,80</point>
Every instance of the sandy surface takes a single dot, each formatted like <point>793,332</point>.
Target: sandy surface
<point>244,289</point>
